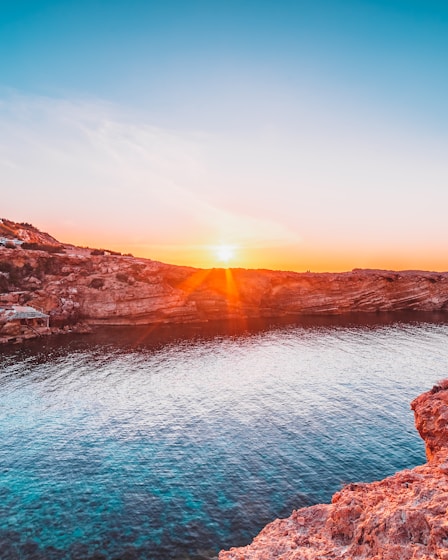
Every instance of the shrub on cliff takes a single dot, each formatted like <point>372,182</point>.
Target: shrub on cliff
<point>121,277</point>
<point>101,252</point>
<point>4,282</point>
<point>41,247</point>
<point>96,283</point>
<point>6,267</point>
<point>14,273</point>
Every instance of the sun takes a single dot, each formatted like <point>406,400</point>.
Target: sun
<point>224,253</point>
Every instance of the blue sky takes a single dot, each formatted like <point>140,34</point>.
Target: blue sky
<point>172,57</point>
<point>314,129</point>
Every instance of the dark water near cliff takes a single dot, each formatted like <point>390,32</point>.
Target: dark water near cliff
<point>173,444</point>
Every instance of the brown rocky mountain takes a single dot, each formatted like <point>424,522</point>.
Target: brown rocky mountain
<point>402,517</point>
<point>26,232</point>
<point>73,284</point>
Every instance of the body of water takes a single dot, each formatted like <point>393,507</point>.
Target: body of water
<point>132,444</point>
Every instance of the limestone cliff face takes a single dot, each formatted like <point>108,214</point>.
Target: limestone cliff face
<point>27,233</point>
<point>118,290</point>
<point>403,517</point>
<point>431,420</point>
<point>75,284</point>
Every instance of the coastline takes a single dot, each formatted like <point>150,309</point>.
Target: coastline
<point>79,291</point>
<point>160,333</point>
<point>401,517</point>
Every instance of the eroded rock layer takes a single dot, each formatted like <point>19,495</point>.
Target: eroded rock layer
<point>74,284</point>
<point>111,289</point>
<point>402,517</point>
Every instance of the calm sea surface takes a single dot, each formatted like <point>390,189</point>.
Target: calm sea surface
<point>140,444</point>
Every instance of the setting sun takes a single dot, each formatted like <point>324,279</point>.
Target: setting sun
<point>224,253</point>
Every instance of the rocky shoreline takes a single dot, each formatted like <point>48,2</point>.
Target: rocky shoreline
<point>80,287</point>
<point>26,334</point>
<point>402,517</point>
<point>76,287</point>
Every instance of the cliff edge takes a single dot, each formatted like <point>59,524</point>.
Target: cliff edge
<point>402,517</point>
<point>74,285</point>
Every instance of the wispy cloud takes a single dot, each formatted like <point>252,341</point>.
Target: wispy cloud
<point>90,164</point>
<point>96,173</point>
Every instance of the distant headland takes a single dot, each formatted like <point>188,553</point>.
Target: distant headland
<point>47,286</point>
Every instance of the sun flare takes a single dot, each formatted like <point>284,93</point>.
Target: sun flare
<point>225,253</point>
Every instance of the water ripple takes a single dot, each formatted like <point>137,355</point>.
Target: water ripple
<point>175,450</point>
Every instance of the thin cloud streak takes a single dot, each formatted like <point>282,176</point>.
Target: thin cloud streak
<point>90,165</point>
<point>347,188</point>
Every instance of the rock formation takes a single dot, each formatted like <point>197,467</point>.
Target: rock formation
<point>26,233</point>
<point>403,517</point>
<point>75,284</point>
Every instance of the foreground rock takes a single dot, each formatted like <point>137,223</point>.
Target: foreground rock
<point>73,285</point>
<point>402,517</point>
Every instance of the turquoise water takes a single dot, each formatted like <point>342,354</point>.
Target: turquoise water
<point>135,444</point>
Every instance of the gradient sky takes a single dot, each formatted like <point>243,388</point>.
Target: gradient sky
<point>308,134</point>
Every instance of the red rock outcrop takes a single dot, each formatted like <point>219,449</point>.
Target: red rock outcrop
<point>27,233</point>
<point>402,517</point>
<point>75,284</point>
<point>111,289</point>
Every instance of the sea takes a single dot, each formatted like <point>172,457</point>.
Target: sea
<point>162,443</point>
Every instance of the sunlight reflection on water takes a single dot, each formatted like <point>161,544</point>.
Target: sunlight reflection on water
<point>179,449</point>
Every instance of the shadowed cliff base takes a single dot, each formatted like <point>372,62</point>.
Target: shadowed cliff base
<point>132,337</point>
<point>402,517</point>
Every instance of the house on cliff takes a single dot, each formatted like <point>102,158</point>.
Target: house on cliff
<point>5,241</point>
<point>19,320</point>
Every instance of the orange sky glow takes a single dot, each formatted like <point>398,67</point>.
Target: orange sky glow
<point>307,135</point>
<point>319,257</point>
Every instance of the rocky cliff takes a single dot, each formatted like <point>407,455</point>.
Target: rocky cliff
<point>402,517</point>
<point>75,284</point>
<point>27,233</point>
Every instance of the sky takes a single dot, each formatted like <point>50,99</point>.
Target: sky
<point>283,134</point>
